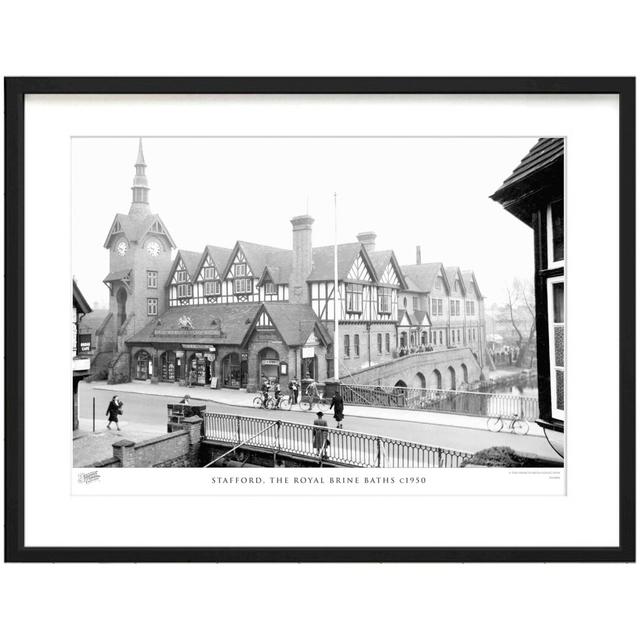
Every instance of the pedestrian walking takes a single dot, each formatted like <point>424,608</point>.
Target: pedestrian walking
<point>337,404</point>
<point>113,411</point>
<point>320,435</point>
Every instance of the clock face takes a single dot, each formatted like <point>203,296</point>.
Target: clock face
<point>153,248</point>
<point>122,247</point>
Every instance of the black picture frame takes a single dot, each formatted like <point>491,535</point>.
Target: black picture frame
<point>15,91</point>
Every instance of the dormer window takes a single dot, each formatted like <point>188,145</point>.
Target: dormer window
<point>209,273</point>
<point>270,288</point>
<point>212,288</point>
<point>240,270</point>
<point>354,298</point>
<point>182,276</point>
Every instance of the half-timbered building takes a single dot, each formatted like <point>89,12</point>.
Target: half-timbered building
<point>232,316</point>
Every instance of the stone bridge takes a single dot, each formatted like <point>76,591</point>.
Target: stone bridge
<point>442,369</point>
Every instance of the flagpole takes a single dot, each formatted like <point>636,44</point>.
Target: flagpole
<point>336,340</point>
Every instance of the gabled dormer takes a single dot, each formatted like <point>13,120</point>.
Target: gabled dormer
<point>361,269</point>
<point>182,277</point>
<point>239,277</point>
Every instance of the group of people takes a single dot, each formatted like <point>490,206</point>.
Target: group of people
<point>421,348</point>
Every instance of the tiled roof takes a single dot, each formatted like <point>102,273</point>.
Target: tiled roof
<point>117,275</point>
<point>419,316</point>
<point>323,261</point>
<point>219,255</point>
<point>135,227</point>
<point>470,281</point>
<point>79,301</point>
<point>260,256</point>
<point>380,260</point>
<point>543,153</point>
<point>451,276</point>
<point>93,320</point>
<point>422,276</point>
<point>295,322</point>
<point>212,324</point>
<point>191,261</point>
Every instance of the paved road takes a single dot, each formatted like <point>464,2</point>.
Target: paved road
<point>149,413</point>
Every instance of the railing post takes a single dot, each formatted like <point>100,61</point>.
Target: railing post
<point>379,456</point>
<point>439,458</point>
<point>279,424</point>
<point>238,428</point>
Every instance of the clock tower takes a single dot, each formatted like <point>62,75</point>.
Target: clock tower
<point>139,248</point>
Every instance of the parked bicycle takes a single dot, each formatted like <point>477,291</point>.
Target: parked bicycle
<point>308,402</point>
<point>514,424</point>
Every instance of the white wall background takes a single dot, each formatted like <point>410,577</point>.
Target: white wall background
<point>331,38</point>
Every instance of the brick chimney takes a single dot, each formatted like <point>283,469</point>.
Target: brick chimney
<point>368,239</point>
<point>302,259</point>
<point>418,255</point>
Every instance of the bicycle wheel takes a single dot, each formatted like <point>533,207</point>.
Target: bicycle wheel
<point>257,402</point>
<point>494,424</point>
<point>521,427</point>
<point>285,403</point>
<point>305,404</point>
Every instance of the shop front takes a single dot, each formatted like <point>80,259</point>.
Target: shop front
<point>171,367</point>
<point>143,365</point>
<point>269,363</point>
<point>235,370</point>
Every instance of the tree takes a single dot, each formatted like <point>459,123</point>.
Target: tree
<point>522,315</point>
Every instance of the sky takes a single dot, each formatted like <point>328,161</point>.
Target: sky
<point>432,192</point>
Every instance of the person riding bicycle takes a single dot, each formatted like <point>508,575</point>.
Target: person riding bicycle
<point>265,391</point>
<point>312,391</point>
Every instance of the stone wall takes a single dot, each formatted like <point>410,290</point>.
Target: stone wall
<point>422,369</point>
<point>181,448</point>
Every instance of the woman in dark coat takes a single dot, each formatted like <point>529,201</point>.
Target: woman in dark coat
<point>113,411</point>
<point>337,404</point>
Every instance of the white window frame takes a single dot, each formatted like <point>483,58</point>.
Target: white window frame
<point>152,279</point>
<point>152,306</point>
<point>270,289</point>
<point>240,270</point>
<point>556,413</point>
<point>550,262</point>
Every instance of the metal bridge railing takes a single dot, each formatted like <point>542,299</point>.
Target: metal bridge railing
<point>348,448</point>
<point>473,403</point>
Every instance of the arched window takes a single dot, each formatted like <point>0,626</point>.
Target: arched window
<point>143,365</point>
<point>436,377</point>
<point>465,373</point>
<point>122,306</point>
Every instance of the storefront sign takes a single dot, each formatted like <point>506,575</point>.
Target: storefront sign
<point>308,352</point>
<point>268,363</point>
<point>200,347</point>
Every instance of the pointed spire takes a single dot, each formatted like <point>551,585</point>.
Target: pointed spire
<point>140,160</point>
<point>140,188</point>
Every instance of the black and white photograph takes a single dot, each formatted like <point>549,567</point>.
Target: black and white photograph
<point>207,331</point>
